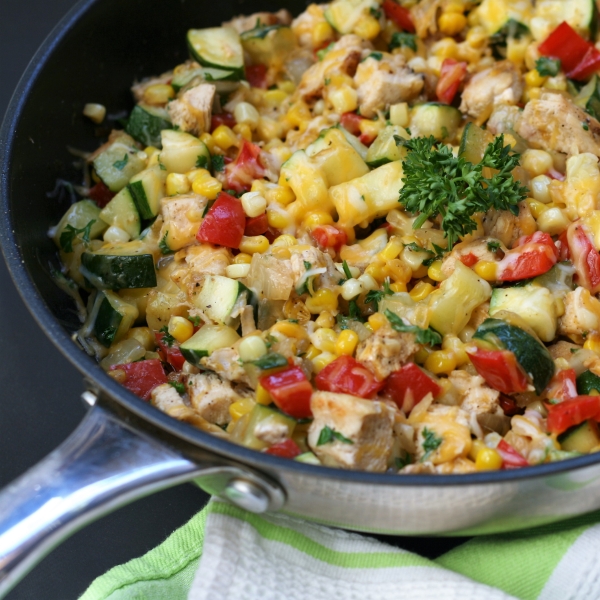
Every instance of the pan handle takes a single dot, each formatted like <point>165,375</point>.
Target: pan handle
<point>105,464</point>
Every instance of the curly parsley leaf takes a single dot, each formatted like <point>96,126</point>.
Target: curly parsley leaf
<point>547,67</point>
<point>178,386</point>
<point>493,246</point>
<point>431,442</point>
<point>67,237</point>
<point>202,161</point>
<point>438,183</point>
<point>167,338</point>
<point>377,295</point>
<point>422,336</point>
<point>218,162</point>
<point>329,435</point>
<point>164,247</point>
<point>120,164</point>
<point>400,38</point>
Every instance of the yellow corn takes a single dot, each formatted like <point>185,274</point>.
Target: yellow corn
<point>224,137</point>
<point>322,360</point>
<point>592,342</point>
<point>278,219</point>
<point>242,259</point>
<point>180,328</point>
<point>343,98</point>
<point>282,194</point>
<point>398,271</point>
<point>441,362</point>
<point>274,97</point>
<point>534,79</point>
<point>532,94</point>
<point>486,269</point>
<point>243,130</point>
<point>346,343</point>
<point>371,128</point>
<point>293,330</point>
<point>488,459</point>
<point>252,348</point>
<point>445,48</point>
<point>398,287</point>
<point>312,353</point>
<point>159,93</point>
<point>206,185</point>
<point>325,339</point>
<point>208,140</point>
<point>377,321</point>
<point>317,217</point>
<point>536,208</point>
<point>476,36</point>
<point>452,23</point>
<point>254,244</point>
<point>421,291</point>
<point>284,241</point>
<point>392,249</point>
<point>288,86</point>
<point>376,271</point>
<point>367,27</point>
<point>240,408</point>
<point>298,115</point>
<point>435,271</point>
<point>453,344</point>
<point>262,396</point>
<point>321,32</point>
<point>324,299</point>
<point>150,151</point>
<point>177,183</point>
<point>325,319</point>
<point>454,6</point>
<point>476,446</point>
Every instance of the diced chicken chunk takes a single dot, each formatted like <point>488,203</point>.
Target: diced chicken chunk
<point>478,248</point>
<point>503,119</point>
<point>582,315</point>
<point>182,216</point>
<point>192,112</point>
<point>476,396</point>
<point>386,351</point>
<point>225,362</point>
<point>165,397</point>
<point>500,84</point>
<point>555,123</point>
<point>246,23</point>
<point>271,431</point>
<point>138,89</point>
<point>272,278</point>
<point>200,260</point>
<point>381,83</point>
<point>211,397</point>
<point>300,261</point>
<point>367,424</point>
<point>508,228</point>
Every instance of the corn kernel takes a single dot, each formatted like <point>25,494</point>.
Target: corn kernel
<point>486,269</point>
<point>252,348</point>
<point>367,27</point>
<point>421,291</point>
<point>287,86</point>
<point>281,253</point>
<point>476,446</point>
<point>281,194</point>
<point>208,141</point>
<point>553,221</point>
<point>343,99</point>
<point>441,362</point>
<point>321,33</point>
<point>253,204</point>
<point>312,353</point>
<point>488,459</point>
<point>377,321</point>
<point>324,299</point>
<point>177,183</point>
<point>238,271</point>
<point>368,282</point>
<point>325,319</point>
<point>293,330</point>
<point>268,129</point>
<point>592,342</point>
<point>274,97</point>
<point>376,271</point>
<point>94,112</point>
<point>532,94</point>
<point>322,360</point>
<point>371,128</point>
<point>454,6</point>
<point>298,115</point>
<point>180,328</point>
<point>317,217</point>
<point>207,186</point>
<point>242,258</point>
<point>159,93</point>
<point>534,79</point>
<point>398,287</point>
<point>392,249</point>
<point>452,23</point>
<point>224,137</point>
<point>399,114</point>
<point>284,241</point>
<point>262,396</point>
<point>536,208</point>
<point>278,219</point>
<point>559,83</point>
<point>398,271</point>
<point>539,188</point>
<point>536,162</point>
<point>351,288</point>
<point>435,271</point>
<point>346,343</point>
<point>324,339</point>
<point>454,345</point>
<point>252,244</point>
<point>243,130</point>
<point>240,408</point>
<point>445,48</point>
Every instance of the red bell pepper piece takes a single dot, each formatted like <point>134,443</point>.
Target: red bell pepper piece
<point>572,412</point>
<point>585,257</point>
<point>224,223</point>
<point>399,15</point>
<point>245,168</point>
<point>350,122</point>
<point>579,58</point>
<point>224,118</point>
<point>511,459</point>
<point>285,449</point>
<point>469,259</point>
<point>143,376</point>
<point>532,255</point>
<point>366,138</point>
<point>100,194</point>
<point>500,370</point>
<point>409,385</point>
<point>256,225</point>
<point>509,406</point>
<point>452,74</point>
<point>290,390</point>
<point>170,354</point>
<point>329,236</point>
<point>256,76</point>
<point>564,253</point>
<point>562,386</point>
<point>346,375</point>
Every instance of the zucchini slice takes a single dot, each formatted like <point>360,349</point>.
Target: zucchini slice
<point>474,142</point>
<point>145,124</point>
<point>589,97</point>
<point>219,296</point>
<point>121,212</point>
<point>344,15</point>
<point>118,163</point>
<point>182,152</point>
<point>114,319</point>
<point>385,149</point>
<point>147,189</point>
<point>587,382</point>
<point>78,215</point>
<point>119,266</point>
<point>268,44</point>
<point>218,47</point>
<point>224,81</point>
<point>530,354</point>
<point>207,339</point>
<point>439,120</point>
<point>581,438</point>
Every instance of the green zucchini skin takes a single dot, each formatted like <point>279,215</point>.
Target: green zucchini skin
<point>115,272</point>
<point>107,323</point>
<point>587,382</point>
<point>530,354</point>
<point>145,127</point>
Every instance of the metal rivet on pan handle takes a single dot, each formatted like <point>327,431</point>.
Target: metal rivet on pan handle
<point>247,495</point>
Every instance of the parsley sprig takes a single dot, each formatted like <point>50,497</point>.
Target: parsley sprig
<point>377,295</point>
<point>438,183</point>
<point>167,338</point>
<point>422,336</point>
<point>431,442</point>
<point>67,237</point>
<point>328,435</point>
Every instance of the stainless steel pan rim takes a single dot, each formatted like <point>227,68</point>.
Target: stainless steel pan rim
<point>132,403</point>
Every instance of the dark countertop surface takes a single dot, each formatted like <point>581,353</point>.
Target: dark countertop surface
<point>38,408</point>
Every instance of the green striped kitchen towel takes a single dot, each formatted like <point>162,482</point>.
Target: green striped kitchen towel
<point>225,553</point>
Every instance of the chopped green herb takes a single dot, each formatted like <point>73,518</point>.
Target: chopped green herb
<point>439,254</point>
<point>585,126</point>
<point>270,361</point>
<point>493,246</point>
<point>327,80</point>
<point>414,247</point>
<point>422,336</point>
<point>178,386</point>
<point>328,435</point>
<point>202,161</point>
<point>399,39</point>
<point>547,66</point>
<point>194,320</point>
<point>67,237</point>
<point>168,339</point>
<point>375,12</point>
<point>401,462</point>
<point>120,164</point>
<point>162,167</point>
<point>431,442</point>
<point>377,295</point>
<point>292,320</point>
<point>218,162</point>
<point>376,55</point>
<point>307,265</point>
<point>321,53</point>
<point>164,247</point>
<point>354,311</point>
<point>346,269</point>
<point>270,340</point>
<point>573,350</point>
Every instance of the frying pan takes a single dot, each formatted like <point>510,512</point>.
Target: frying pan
<point>125,448</point>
